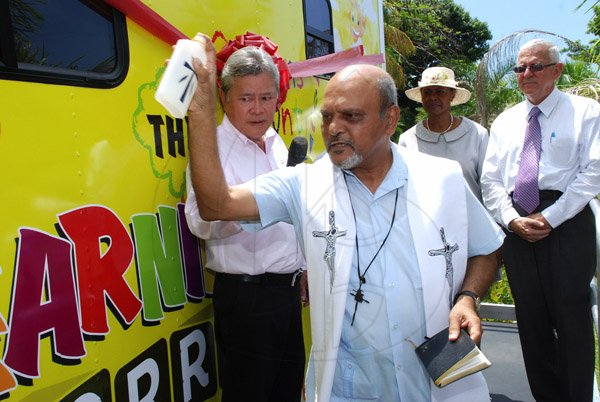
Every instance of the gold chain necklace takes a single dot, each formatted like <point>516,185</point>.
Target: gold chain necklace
<point>443,132</point>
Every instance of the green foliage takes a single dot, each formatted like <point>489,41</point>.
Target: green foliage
<point>580,78</point>
<point>502,91</point>
<point>589,53</point>
<point>499,292</point>
<point>442,33</point>
<point>594,24</point>
<point>584,2</point>
<point>398,46</point>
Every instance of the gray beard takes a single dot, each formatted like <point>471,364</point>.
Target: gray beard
<point>351,162</point>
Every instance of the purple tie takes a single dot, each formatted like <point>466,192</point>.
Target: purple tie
<point>526,192</point>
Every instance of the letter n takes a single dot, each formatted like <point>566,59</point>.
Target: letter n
<point>160,264</point>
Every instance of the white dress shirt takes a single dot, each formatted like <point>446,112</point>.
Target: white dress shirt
<point>228,248</point>
<point>569,160</point>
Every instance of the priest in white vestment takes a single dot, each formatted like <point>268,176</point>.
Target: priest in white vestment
<point>397,247</point>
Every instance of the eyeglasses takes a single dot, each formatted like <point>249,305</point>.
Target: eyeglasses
<point>534,68</point>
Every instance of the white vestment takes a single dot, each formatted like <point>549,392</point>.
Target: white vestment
<point>435,201</point>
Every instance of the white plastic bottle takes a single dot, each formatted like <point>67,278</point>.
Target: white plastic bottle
<point>179,82</point>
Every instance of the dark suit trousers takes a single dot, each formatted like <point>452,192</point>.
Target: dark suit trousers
<point>550,282</point>
<point>260,345</point>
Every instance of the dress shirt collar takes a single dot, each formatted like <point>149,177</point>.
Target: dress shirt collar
<point>547,105</point>
<point>429,136</point>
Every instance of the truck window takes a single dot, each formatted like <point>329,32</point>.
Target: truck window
<point>68,42</point>
<point>318,28</point>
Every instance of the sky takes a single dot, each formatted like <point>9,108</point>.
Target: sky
<point>557,16</point>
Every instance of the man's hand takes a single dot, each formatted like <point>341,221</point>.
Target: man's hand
<point>464,315</point>
<point>205,96</point>
<point>531,228</point>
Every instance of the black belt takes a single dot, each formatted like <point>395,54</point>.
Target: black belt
<point>547,198</point>
<point>268,278</point>
<point>552,195</point>
<point>548,194</point>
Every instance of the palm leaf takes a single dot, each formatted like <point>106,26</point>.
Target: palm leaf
<point>398,40</point>
<point>585,1</point>
<point>590,88</point>
<point>398,46</point>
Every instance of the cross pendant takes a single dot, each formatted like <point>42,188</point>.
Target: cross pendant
<point>359,295</point>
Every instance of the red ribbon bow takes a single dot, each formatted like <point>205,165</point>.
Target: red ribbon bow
<point>264,43</point>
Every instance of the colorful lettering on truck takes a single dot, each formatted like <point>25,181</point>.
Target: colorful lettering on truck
<point>103,292</point>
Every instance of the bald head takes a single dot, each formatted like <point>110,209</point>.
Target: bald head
<point>368,77</point>
<point>360,114</point>
<point>356,71</point>
<point>550,49</point>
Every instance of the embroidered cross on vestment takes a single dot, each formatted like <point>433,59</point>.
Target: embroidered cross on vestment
<point>447,251</point>
<point>330,237</point>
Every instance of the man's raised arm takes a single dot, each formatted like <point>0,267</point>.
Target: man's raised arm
<point>216,200</point>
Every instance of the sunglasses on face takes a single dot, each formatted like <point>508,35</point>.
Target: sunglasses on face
<point>534,68</point>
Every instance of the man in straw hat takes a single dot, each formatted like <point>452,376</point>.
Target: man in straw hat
<point>443,134</point>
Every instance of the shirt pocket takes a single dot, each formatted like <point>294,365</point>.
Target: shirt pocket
<point>353,375</point>
<point>560,150</point>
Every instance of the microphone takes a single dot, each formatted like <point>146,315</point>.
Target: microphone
<point>297,151</point>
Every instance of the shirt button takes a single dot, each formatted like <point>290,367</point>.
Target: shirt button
<point>396,325</point>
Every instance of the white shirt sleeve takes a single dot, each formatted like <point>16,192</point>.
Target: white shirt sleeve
<point>586,183</point>
<point>493,188</point>
<point>485,236</point>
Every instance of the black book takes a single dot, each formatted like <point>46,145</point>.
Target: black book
<point>447,361</point>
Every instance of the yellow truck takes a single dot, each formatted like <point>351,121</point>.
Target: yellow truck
<point>103,292</point>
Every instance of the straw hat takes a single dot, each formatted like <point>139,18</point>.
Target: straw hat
<point>442,77</point>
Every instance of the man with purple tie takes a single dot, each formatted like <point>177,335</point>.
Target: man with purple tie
<point>541,170</point>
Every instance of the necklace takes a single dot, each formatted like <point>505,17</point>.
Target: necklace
<point>359,295</point>
<point>443,132</point>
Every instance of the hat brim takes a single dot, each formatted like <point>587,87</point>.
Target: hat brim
<point>461,96</point>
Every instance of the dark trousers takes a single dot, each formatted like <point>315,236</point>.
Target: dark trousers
<point>550,282</point>
<point>260,346</point>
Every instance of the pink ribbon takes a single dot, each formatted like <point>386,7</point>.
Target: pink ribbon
<point>333,62</point>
